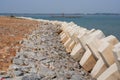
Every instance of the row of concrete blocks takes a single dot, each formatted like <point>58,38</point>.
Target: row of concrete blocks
<point>96,53</point>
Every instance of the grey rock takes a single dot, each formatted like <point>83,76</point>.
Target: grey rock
<point>26,62</point>
<point>2,72</point>
<point>18,73</point>
<point>18,61</point>
<point>33,77</point>
<point>26,69</point>
<point>76,77</point>
<point>4,76</point>
<point>46,61</point>
<point>60,74</point>
<point>68,76</point>
<point>83,73</point>
<point>29,54</point>
<point>14,67</point>
<point>33,70</point>
<point>41,58</point>
<point>50,74</point>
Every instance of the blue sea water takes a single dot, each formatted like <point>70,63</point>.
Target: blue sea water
<point>109,24</point>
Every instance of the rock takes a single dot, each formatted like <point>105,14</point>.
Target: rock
<point>29,54</point>
<point>2,72</point>
<point>33,70</point>
<point>50,74</point>
<point>41,58</point>
<point>60,74</point>
<point>6,77</point>
<point>14,67</point>
<point>76,65</point>
<point>3,75</point>
<point>26,62</point>
<point>76,77</point>
<point>25,69</point>
<point>33,77</point>
<point>18,73</point>
<point>68,76</point>
<point>18,61</point>
<point>83,73</point>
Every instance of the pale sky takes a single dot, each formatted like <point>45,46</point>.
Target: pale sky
<point>59,6</point>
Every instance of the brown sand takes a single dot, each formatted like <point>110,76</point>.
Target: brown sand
<point>12,30</point>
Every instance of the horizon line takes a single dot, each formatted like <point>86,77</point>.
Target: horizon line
<point>56,13</point>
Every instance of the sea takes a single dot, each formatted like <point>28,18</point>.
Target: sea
<point>109,24</point>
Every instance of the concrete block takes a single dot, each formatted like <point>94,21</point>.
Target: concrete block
<point>67,43</point>
<point>106,53</point>
<point>111,73</point>
<point>77,52</point>
<point>64,38</point>
<point>71,46</point>
<point>91,31</point>
<point>97,34</point>
<point>87,61</point>
<point>116,54</point>
<point>62,35</point>
<point>93,45</point>
<point>98,69</point>
<point>111,39</point>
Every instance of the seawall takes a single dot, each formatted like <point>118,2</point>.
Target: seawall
<point>96,53</point>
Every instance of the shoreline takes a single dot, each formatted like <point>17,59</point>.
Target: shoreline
<point>84,48</point>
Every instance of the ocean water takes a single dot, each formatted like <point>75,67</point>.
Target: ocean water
<point>109,24</point>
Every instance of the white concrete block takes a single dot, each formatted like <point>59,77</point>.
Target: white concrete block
<point>98,69</point>
<point>71,46</point>
<point>111,39</point>
<point>116,54</point>
<point>110,74</point>
<point>87,61</point>
<point>77,52</point>
<point>106,53</point>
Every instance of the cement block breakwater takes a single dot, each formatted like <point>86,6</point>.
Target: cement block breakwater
<point>95,52</point>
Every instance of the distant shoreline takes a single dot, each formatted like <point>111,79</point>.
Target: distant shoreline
<point>59,14</point>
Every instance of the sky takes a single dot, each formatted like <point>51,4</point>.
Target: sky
<point>59,6</point>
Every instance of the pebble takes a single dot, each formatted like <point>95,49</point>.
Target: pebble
<point>32,77</point>
<point>18,73</point>
<point>18,61</point>
<point>68,76</point>
<point>76,77</point>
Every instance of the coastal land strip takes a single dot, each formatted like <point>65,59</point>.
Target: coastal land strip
<point>31,49</point>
